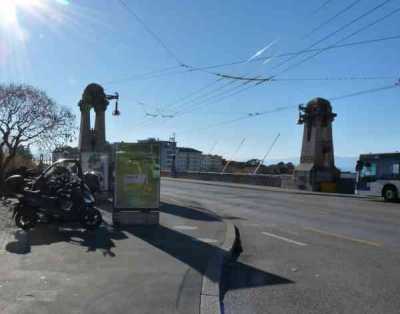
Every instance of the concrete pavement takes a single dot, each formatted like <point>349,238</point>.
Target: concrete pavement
<point>137,270</point>
<point>304,253</point>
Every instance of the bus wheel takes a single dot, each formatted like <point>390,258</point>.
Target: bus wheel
<point>390,193</point>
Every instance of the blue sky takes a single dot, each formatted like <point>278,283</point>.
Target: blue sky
<point>61,46</point>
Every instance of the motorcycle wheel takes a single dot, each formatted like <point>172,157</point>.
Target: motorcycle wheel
<point>91,219</point>
<point>25,222</point>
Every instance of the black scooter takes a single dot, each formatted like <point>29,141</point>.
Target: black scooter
<point>58,195</point>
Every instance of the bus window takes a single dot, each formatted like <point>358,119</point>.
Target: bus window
<point>396,169</point>
<point>369,170</point>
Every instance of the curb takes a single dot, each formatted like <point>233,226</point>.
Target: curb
<point>210,302</point>
<point>5,238</point>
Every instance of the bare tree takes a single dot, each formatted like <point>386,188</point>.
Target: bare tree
<point>29,116</point>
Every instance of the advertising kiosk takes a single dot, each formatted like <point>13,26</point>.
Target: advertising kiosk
<point>136,183</point>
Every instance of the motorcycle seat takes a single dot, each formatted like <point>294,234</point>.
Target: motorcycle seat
<point>50,198</point>
<point>31,193</point>
<point>19,196</point>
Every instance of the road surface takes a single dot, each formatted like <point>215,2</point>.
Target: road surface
<point>303,253</point>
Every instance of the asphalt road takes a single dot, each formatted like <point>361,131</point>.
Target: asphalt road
<point>304,253</point>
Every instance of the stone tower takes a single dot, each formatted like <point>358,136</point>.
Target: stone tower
<point>317,164</point>
<point>93,140</point>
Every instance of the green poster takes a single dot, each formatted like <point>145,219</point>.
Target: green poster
<point>137,176</point>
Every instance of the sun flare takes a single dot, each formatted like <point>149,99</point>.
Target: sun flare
<point>9,10</point>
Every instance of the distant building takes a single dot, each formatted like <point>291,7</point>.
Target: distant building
<point>167,152</point>
<point>211,163</point>
<point>188,159</point>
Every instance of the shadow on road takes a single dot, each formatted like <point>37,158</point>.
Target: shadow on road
<point>196,253</point>
<point>100,239</point>
<point>188,212</point>
<point>185,248</point>
<point>238,276</point>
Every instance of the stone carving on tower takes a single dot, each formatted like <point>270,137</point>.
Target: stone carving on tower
<point>317,163</point>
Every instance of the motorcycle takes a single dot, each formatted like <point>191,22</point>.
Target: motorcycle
<point>58,195</point>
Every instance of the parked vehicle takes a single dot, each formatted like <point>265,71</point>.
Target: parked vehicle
<point>58,195</point>
<point>379,175</point>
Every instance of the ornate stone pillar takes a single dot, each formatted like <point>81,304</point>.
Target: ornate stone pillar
<point>317,163</point>
<point>100,126</point>
<point>84,131</point>
<point>94,97</point>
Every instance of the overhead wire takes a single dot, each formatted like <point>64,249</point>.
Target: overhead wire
<point>326,48</point>
<point>300,52</point>
<point>188,99</point>
<point>151,32</point>
<point>189,68</point>
<point>235,90</point>
<point>326,22</point>
<point>168,70</point>
<point>144,76</point>
<point>193,93</point>
<point>283,108</point>
<point>341,40</point>
<point>262,80</point>
<point>218,90</point>
<point>269,79</point>
<point>319,51</point>
<point>338,30</point>
<point>322,6</point>
<point>369,91</point>
<point>349,78</point>
<point>207,99</point>
<point>191,110</point>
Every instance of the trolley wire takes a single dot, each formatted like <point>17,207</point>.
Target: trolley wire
<point>146,75</point>
<point>296,53</point>
<point>284,108</point>
<point>326,22</point>
<point>151,32</point>
<point>338,30</point>
<point>168,71</point>
<point>322,6</point>
<point>341,40</point>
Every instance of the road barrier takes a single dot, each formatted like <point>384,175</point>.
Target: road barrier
<point>258,179</point>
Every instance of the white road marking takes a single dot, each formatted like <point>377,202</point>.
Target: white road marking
<point>206,240</point>
<point>339,236</point>
<point>184,227</point>
<point>283,239</point>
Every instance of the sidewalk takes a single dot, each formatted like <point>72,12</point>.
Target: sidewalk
<point>132,270</point>
<point>6,226</point>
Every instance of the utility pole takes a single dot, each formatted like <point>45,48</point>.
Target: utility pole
<point>266,154</point>
<point>234,154</point>
<point>213,147</point>
<point>173,166</point>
